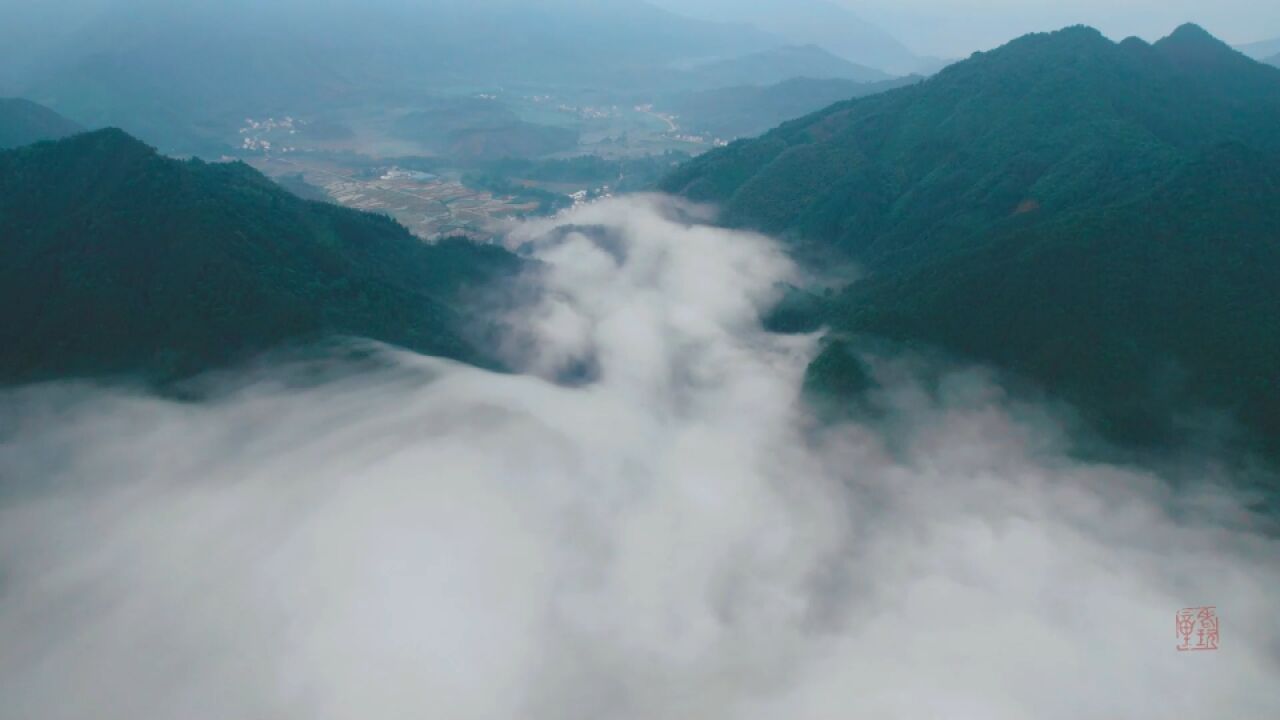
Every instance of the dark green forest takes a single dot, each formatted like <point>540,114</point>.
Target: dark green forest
<point>117,260</point>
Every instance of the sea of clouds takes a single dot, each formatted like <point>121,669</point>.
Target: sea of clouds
<point>645,523</point>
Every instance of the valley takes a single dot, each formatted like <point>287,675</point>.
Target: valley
<point>639,360</point>
<point>448,184</point>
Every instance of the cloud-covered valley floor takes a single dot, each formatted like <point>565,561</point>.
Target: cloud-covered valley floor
<point>668,536</point>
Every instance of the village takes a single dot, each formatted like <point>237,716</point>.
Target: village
<point>430,206</point>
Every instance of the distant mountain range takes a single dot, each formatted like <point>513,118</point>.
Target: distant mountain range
<point>778,64</point>
<point>23,122</point>
<point>179,74</point>
<point>813,22</point>
<point>1101,218</point>
<point>116,260</point>
<point>1261,50</point>
<point>748,110</point>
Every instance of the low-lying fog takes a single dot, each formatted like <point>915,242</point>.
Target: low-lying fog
<point>669,538</point>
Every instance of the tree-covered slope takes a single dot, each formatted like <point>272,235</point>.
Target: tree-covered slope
<point>1102,218</point>
<point>115,259</point>
<point>23,122</point>
<point>1144,314</point>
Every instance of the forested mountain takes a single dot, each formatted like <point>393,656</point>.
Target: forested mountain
<point>1103,218</point>
<point>115,259</point>
<point>23,122</point>
<point>1273,60</point>
<point>747,110</point>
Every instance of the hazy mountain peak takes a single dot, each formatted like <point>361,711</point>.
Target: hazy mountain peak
<point>1193,38</point>
<point>110,142</point>
<point>115,137</point>
<point>1261,50</point>
<point>1039,143</point>
<point>1191,32</point>
<point>1035,57</point>
<point>23,122</point>
<point>1192,45</point>
<point>830,25</point>
<point>1074,36</point>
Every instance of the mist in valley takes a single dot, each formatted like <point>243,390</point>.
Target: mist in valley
<point>638,360</point>
<point>645,521</point>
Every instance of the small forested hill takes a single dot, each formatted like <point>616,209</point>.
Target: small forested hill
<point>23,122</point>
<point>1273,60</point>
<point>1101,217</point>
<point>747,110</point>
<point>479,129</point>
<point>779,64</point>
<point>115,259</point>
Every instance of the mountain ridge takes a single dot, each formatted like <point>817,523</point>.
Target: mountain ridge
<point>1262,49</point>
<point>117,260</point>
<point>830,25</point>
<point>1032,151</point>
<point>23,122</point>
<point>965,109</point>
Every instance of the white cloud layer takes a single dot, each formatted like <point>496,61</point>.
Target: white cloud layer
<point>668,537</point>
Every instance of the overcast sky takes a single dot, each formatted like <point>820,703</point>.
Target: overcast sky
<point>955,28</point>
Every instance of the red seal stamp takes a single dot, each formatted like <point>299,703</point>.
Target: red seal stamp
<point>1197,629</point>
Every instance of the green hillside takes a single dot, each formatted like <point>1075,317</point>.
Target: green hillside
<point>115,259</point>
<point>23,122</point>
<point>1143,313</point>
<point>1103,218</point>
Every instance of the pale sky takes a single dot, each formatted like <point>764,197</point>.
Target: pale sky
<point>955,28</point>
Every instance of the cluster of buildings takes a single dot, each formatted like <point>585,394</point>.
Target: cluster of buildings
<point>256,134</point>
